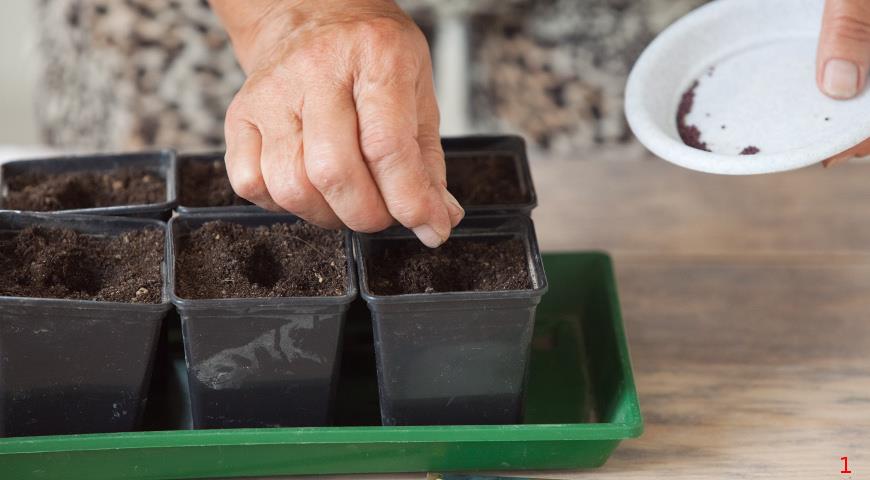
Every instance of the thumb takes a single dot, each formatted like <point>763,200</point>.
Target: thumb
<point>843,56</point>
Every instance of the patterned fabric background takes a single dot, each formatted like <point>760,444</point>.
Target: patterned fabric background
<point>136,73</point>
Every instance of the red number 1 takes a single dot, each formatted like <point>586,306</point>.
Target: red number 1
<point>845,465</point>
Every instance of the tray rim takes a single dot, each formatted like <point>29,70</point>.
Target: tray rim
<point>321,435</point>
<point>631,427</point>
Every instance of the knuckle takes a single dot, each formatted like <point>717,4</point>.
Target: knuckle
<point>850,27</point>
<point>385,30</point>
<point>293,196</point>
<point>384,149</point>
<point>312,56</point>
<point>247,182</point>
<point>387,39</point>
<point>327,175</point>
<point>238,117</point>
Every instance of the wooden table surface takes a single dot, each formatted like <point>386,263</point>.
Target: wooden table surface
<point>747,306</point>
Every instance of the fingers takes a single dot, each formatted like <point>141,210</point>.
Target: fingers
<point>388,139</point>
<point>433,159</point>
<point>430,145</point>
<point>264,157</point>
<point>334,163</point>
<point>364,157</point>
<point>844,48</point>
<point>243,163</point>
<point>285,176</point>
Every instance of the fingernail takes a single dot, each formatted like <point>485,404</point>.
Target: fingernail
<point>453,205</point>
<point>427,235</point>
<point>840,78</point>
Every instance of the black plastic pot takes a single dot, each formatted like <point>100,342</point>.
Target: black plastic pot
<point>75,366</point>
<point>209,157</point>
<point>457,357</point>
<point>161,162</point>
<point>507,148</point>
<point>260,362</point>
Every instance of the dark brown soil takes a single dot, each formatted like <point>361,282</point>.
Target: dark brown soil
<point>228,260</point>
<point>459,265</point>
<point>70,190</point>
<point>690,134</point>
<point>61,263</point>
<point>205,184</point>
<point>484,180</point>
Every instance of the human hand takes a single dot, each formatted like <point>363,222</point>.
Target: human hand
<point>337,121</point>
<point>843,58</point>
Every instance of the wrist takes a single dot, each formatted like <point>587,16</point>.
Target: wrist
<point>245,22</point>
<point>255,27</point>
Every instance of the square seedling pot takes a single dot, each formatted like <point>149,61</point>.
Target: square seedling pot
<point>490,174</point>
<point>192,202</point>
<point>75,366</point>
<point>453,358</point>
<point>581,403</point>
<point>161,163</point>
<point>259,362</point>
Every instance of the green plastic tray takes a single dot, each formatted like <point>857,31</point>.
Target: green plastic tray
<point>581,403</point>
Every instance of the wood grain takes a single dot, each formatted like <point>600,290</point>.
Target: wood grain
<point>652,206</point>
<point>747,306</point>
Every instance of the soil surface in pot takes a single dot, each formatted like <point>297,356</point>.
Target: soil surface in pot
<point>205,184</point>
<point>61,263</point>
<point>484,180</point>
<point>228,260</point>
<point>71,190</point>
<point>459,265</point>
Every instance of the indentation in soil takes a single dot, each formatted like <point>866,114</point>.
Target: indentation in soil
<point>262,268</point>
<point>61,263</point>
<point>228,260</point>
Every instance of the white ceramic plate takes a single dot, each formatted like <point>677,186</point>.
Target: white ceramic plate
<point>754,61</point>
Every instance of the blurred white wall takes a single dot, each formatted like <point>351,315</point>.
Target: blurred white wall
<point>17,72</point>
<point>451,64</point>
